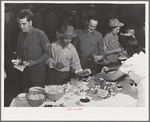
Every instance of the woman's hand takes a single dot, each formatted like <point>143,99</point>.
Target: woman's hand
<point>105,69</point>
<point>98,76</point>
<point>118,49</point>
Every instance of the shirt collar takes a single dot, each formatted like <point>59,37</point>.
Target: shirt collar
<point>66,46</point>
<point>30,30</point>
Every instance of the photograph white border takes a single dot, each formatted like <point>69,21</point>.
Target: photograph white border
<point>87,114</point>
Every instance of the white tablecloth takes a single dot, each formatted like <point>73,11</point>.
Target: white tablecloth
<point>127,98</point>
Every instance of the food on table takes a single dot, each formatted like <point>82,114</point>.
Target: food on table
<point>83,72</point>
<point>54,89</point>
<point>48,106</point>
<point>85,100</point>
<point>102,93</point>
<point>73,81</point>
<point>67,87</point>
<point>82,89</point>
<point>36,96</point>
<point>104,89</point>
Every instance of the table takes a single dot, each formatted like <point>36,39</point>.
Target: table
<point>126,98</point>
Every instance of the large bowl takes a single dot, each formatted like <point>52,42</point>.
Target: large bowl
<point>35,103</point>
<point>54,97</point>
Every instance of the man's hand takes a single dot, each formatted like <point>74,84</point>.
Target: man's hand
<point>30,63</point>
<point>60,65</point>
<point>97,57</point>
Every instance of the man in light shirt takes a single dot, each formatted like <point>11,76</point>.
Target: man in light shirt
<point>64,56</point>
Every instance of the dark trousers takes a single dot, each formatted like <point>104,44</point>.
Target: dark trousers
<point>55,77</point>
<point>35,76</point>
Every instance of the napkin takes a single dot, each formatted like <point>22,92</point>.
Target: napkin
<point>20,67</point>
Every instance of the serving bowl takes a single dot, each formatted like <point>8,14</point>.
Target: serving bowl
<point>85,101</point>
<point>36,88</point>
<point>55,96</point>
<point>35,98</point>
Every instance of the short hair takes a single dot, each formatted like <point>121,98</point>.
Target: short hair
<point>131,27</point>
<point>132,45</point>
<point>26,15</point>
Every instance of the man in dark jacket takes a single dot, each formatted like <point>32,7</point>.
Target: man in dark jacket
<point>33,47</point>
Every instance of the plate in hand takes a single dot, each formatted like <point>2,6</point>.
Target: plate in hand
<point>122,58</point>
<point>85,72</point>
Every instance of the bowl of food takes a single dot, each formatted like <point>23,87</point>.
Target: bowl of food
<point>35,98</point>
<point>22,96</point>
<point>36,88</point>
<point>54,92</point>
<point>84,101</point>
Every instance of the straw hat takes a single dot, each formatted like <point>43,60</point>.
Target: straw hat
<point>115,23</point>
<point>67,31</point>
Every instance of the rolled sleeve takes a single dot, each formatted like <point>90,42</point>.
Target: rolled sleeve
<point>51,63</point>
<point>126,67</point>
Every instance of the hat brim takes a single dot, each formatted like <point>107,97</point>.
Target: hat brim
<point>118,25</point>
<point>68,35</point>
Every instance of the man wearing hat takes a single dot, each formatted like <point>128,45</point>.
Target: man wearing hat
<point>33,49</point>
<point>64,56</point>
<point>111,44</point>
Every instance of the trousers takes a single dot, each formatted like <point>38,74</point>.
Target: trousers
<point>55,77</point>
<point>35,76</point>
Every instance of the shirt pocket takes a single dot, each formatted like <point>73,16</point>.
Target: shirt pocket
<point>93,48</point>
<point>94,43</point>
<point>67,61</point>
<point>32,46</point>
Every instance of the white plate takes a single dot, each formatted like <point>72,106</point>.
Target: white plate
<point>122,58</point>
<point>77,72</point>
